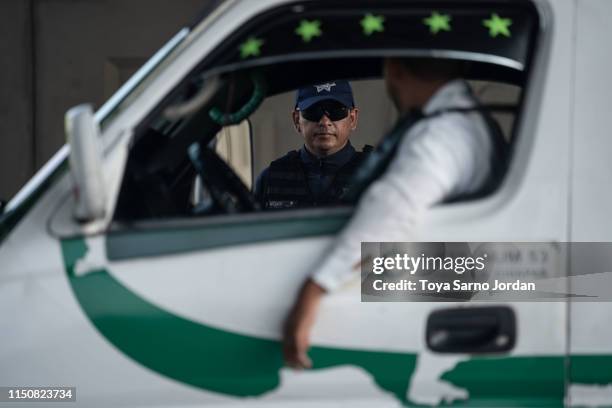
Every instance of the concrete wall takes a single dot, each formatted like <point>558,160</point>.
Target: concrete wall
<point>16,96</point>
<point>59,53</point>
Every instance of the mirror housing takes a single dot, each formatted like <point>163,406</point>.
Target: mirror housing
<point>83,136</point>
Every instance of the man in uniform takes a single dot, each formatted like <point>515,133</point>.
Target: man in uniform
<point>318,174</point>
<point>448,149</point>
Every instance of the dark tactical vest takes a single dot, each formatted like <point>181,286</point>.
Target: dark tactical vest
<point>286,185</point>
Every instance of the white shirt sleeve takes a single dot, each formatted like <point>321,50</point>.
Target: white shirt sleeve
<point>435,160</point>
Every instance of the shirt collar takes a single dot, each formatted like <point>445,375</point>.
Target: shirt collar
<point>454,94</point>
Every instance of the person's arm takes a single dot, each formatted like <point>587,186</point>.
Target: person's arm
<point>427,168</point>
<point>296,331</point>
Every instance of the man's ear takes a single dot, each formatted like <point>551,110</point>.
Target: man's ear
<point>354,116</point>
<point>296,121</point>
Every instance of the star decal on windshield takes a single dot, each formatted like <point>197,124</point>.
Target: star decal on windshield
<point>251,47</point>
<point>309,29</point>
<point>371,24</point>
<point>498,26</point>
<point>438,22</point>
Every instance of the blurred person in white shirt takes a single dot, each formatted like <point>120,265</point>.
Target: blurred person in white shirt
<point>451,149</point>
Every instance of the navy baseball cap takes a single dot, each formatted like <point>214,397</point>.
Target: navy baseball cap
<point>336,90</point>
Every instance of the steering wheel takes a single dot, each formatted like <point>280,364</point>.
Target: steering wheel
<point>226,189</point>
<point>258,95</point>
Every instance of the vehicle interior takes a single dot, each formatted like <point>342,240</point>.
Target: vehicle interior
<point>199,153</point>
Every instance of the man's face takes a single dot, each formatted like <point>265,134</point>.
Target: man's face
<point>325,136</point>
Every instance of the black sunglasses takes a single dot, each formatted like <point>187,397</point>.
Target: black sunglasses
<point>333,110</point>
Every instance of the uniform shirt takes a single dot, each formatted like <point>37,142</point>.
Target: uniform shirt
<point>320,172</point>
<point>439,158</point>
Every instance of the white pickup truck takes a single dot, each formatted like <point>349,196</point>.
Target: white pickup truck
<point>137,267</point>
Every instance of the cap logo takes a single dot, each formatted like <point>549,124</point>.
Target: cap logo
<point>326,86</point>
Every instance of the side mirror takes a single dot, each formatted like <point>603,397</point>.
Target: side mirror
<point>83,136</point>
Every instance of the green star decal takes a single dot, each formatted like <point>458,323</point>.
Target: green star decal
<point>309,29</point>
<point>371,24</point>
<point>498,25</point>
<point>251,47</point>
<point>438,22</point>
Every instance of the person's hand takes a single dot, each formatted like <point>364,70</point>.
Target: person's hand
<point>296,330</point>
